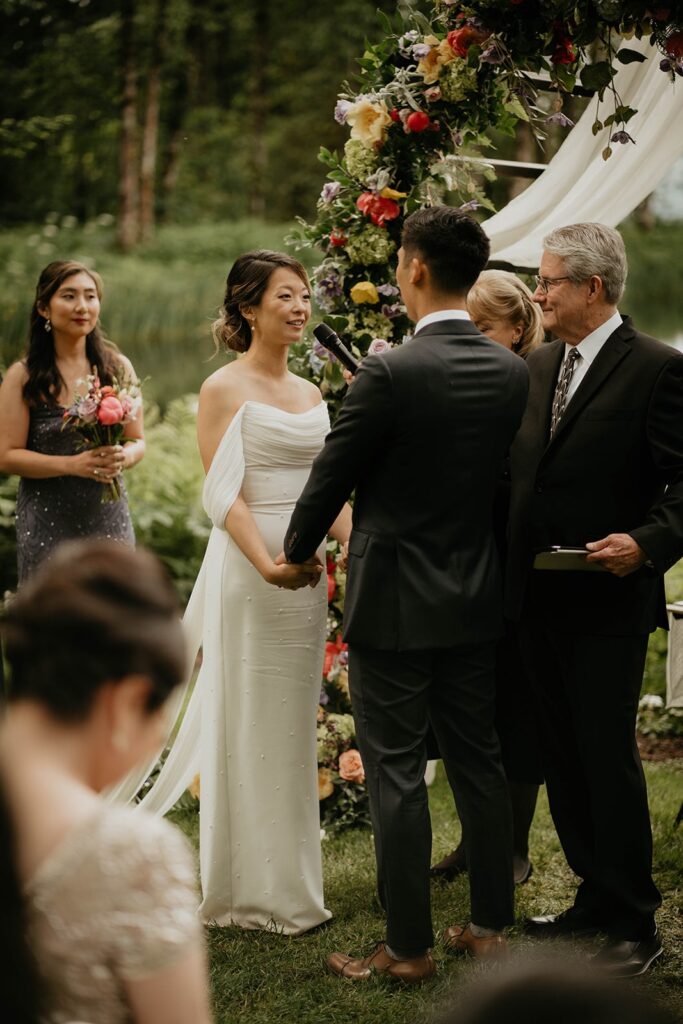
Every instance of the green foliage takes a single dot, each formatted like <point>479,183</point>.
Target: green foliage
<point>165,493</point>
<point>246,91</point>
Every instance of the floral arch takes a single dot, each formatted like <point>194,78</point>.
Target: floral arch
<point>428,95</point>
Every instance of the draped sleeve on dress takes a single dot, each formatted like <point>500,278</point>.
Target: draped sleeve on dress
<point>221,488</point>
<point>226,472</point>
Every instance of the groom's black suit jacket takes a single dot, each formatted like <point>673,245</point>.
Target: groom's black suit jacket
<point>420,438</point>
<point>614,465</point>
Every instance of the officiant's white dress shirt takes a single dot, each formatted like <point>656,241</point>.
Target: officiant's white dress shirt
<point>588,350</point>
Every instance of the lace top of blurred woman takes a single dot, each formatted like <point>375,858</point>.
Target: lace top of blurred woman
<point>502,308</point>
<point>60,492</point>
<point>250,727</point>
<point>110,900</point>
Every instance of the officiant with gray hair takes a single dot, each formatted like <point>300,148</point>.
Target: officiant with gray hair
<point>597,466</point>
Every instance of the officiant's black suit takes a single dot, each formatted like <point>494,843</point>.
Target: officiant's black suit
<point>421,438</point>
<point>614,465</point>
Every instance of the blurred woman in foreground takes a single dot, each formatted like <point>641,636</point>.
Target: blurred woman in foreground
<point>109,907</point>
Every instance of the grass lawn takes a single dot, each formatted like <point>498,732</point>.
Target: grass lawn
<point>263,978</point>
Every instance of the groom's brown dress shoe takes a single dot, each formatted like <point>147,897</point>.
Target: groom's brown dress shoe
<point>461,940</point>
<point>410,972</point>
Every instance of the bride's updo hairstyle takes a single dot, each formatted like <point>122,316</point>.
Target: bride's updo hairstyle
<point>246,283</point>
<point>95,613</point>
<point>499,295</point>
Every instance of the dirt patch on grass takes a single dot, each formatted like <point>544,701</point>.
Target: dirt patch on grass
<point>660,748</point>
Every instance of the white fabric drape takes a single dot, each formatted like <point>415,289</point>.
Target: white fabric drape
<point>221,487</point>
<point>578,184</point>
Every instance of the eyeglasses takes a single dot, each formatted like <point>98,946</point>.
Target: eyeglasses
<point>544,282</point>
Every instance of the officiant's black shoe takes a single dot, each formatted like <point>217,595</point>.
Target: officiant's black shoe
<point>574,922</point>
<point>620,958</point>
<point>454,864</point>
<point>411,972</point>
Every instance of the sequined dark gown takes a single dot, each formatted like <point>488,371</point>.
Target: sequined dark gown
<point>62,507</point>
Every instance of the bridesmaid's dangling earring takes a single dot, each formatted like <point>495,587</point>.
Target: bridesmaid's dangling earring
<point>48,325</point>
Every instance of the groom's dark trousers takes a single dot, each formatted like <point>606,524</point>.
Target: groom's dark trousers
<point>421,438</point>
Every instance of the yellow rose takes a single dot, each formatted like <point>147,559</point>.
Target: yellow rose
<point>439,55</point>
<point>369,122</point>
<point>364,291</point>
<point>325,784</point>
<point>194,788</point>
<point>391,193</point>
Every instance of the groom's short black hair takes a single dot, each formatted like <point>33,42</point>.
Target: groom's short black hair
<point>453,245</point>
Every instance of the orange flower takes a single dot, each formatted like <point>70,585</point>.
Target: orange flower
<point>325,783</point>
<point>351,766</point>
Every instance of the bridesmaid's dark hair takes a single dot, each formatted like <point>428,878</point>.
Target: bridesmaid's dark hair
<point>44,379</point>
<point>95,613</point>
<point>102,611</point>
<point>246,283</point>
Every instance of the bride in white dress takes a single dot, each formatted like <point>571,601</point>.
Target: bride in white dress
<point>250,728</point>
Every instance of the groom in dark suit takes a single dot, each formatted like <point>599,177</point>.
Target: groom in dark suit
<point>597,464</point>
<point>421,438</point>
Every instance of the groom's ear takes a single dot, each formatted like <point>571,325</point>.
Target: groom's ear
<point>417,271</point>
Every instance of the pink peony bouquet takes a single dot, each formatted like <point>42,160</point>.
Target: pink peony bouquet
<point>99,413</point>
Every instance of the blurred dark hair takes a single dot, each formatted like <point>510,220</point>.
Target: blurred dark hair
<point>453,245</point>
<point>246,283</point>
<point>20,999</point>
<point>44,379</point>
<point>95,613</point>
<point>554,994</point>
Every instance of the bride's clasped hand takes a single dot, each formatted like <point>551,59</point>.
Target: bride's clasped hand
<point>292,577</point>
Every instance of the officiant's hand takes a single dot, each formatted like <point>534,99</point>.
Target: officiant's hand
<point>293,576</point>
<point>618,553</point>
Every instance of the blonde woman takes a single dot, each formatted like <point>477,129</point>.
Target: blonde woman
<point>501,307</point>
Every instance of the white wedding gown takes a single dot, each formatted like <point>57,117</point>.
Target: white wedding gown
<point>250,726</point>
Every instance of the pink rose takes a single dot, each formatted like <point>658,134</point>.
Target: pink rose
<point>378,346</point>
<point>351,766</point>
<point>110,411</point>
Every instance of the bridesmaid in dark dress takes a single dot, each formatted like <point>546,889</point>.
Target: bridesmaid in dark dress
<point>61,487</point>
<point>502,308</point>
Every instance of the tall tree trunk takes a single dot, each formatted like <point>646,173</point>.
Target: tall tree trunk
<point>258,113</point>
<point>150,135</point>
<point>129,199</point>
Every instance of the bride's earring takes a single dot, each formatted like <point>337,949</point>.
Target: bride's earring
<point>48,325</point>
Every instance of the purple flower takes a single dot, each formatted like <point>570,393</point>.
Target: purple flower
<point>622,136</point>
<point>341,110</point>
<point>378,346</point>
<point>331,190</point>
<point>559,118</point>
<point>322,353</point>
<point>323,698</point>
<point>665,65</point>
<point>493,54</point>
<point>406,41</point>
<point>388,290</point>
<point>420,50</point>
<point>392,311</point>
<point>457,138</point>
<point>472,204</point>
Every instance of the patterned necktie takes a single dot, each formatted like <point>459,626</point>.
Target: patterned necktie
<point>560,398</point>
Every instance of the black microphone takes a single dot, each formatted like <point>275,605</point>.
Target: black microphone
<point>333,343</point>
